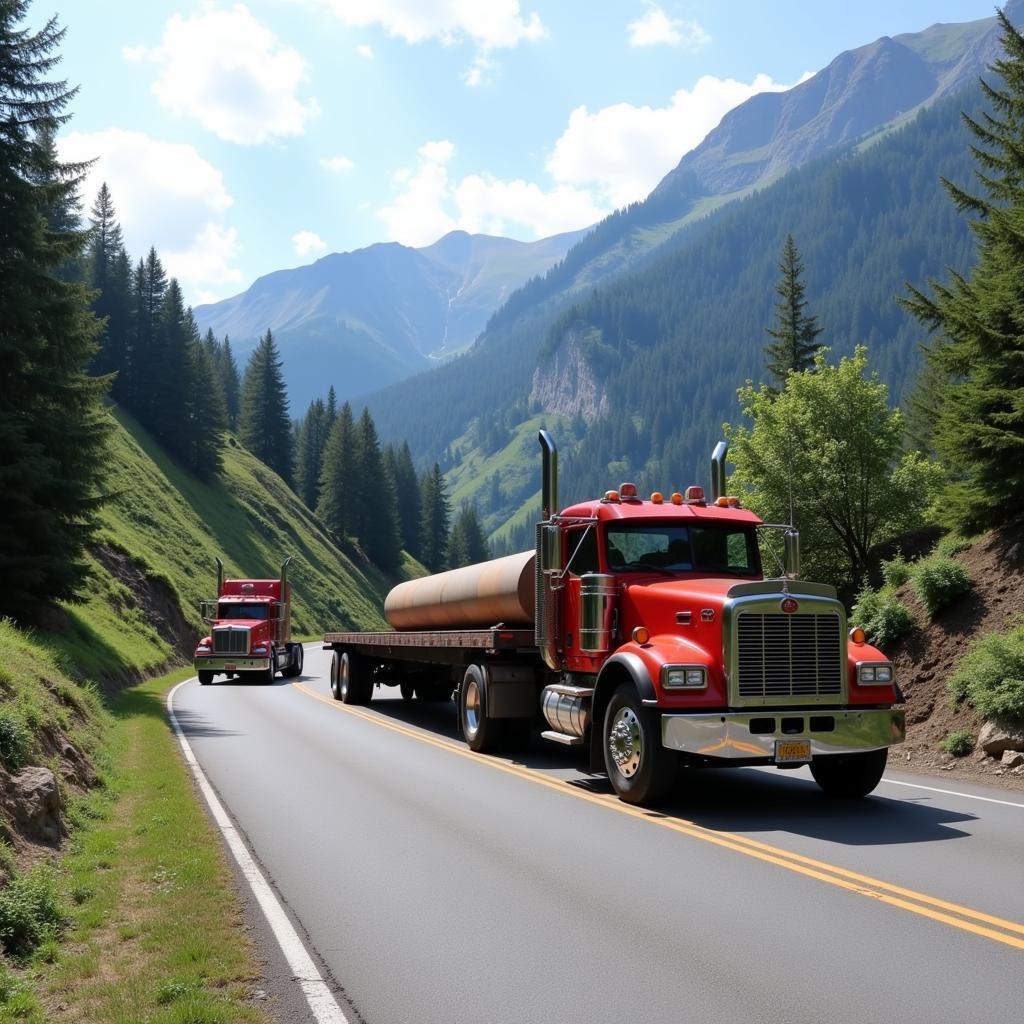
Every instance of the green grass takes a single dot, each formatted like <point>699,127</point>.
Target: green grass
<point>152,925</point>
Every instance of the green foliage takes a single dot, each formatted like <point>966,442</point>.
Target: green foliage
<point>435,514</point>
<point>830,445</point>
<point>373,500</point>
<point>309,460</point>
<point>896,571</point>
<point>938,582</point>
<point>991,676</point>
<point>977,358</point>
<point>959,743</point>
<point>467,544</point>
<point>882,616</point>
<point>339,474</point>
<point>16,999</point>
<point>15,738</point>
<point>951,545</point>
<point>264,424</point>
<point>31,911</point>
<point>795,332</point>
<point>53,426</point>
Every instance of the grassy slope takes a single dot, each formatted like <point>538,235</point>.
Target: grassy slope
<point>173,526</point>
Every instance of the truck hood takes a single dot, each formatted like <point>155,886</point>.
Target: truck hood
<point>665,596</point>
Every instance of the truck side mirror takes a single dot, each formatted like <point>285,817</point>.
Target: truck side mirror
<point>792,554</point>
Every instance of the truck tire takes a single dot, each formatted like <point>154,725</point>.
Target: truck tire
<point>267,676</point>
<point>639,767</point>
<point>335,689</point>
<point>205,678</point>
<point>295,658</point>
<point>849,776</point>
<point>482,734</point>
<point>355,684</point>
<point>408,689</point>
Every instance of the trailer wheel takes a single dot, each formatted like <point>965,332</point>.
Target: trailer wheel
<point>639,767</point>
<point>355,684</point>
<point>849,776</point>
<point>295,657</point>
<point>482,734</point>
<point>205,678</point>
<point>335,689</point>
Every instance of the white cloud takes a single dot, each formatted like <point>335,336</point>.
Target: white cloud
<point>166,195</point>
<point>623,151</point>
<point>488,24</point>
<point>229,72</point>
<point>655,27</point>
<point>430,203</point>
<point>493,24</point>
<point>365,51</point>
<point>337,164</point>
<point>307,242</point>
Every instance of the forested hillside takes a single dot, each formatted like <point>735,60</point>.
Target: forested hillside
<point>667,345</point>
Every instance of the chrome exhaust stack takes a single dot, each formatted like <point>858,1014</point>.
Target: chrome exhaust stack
<point>548,561</point>
<point>549,476</point>
<point>220,577</point>
<point>718,470</point>
<point>284,605</point>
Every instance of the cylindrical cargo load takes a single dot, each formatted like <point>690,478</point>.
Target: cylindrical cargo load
<point>474,597</point>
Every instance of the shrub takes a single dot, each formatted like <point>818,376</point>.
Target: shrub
<point>896,571</point>
<point>30,911</point>
<point>882,616</point>
<point>938,582</point>
<point>951,545</point>
<point>959,743</point>
<point>991,676</point>
<point>15,739</point>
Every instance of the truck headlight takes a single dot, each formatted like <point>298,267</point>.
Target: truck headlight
<point>260,650</point>
<point>875,673</point>
<point>684,677</point>
<point>203,649</point>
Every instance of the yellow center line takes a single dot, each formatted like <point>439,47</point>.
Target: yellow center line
<point>843,878</point>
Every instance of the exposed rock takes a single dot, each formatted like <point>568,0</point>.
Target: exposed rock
<point>566,383</point>
<point>32,801</point>
<point>997,737</point>
<point>1012,758</point>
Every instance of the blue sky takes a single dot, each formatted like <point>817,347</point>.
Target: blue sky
<point>240,138</point>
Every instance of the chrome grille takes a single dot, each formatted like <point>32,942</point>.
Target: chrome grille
<point>229,640</point>
<point>782,656</point>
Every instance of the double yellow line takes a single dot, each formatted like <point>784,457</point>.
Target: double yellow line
<point>985,925</point>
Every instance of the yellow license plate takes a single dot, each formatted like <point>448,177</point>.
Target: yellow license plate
<point>229,666</point>
<point>787,751</point>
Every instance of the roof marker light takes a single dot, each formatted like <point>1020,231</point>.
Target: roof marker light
<point>611,496</point>
<point>677,498</point>
<point>657,498</point>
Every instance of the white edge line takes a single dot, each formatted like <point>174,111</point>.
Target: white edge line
<point>319,997</point>
<point>953,792</point>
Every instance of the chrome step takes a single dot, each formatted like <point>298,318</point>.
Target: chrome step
<point>563,738</point>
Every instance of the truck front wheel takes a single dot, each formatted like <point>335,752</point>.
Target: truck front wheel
<point>294,667</point>
<point>639,767</point>
<point>205,678</point>
<point>849,775</point>
<point>355,684</point>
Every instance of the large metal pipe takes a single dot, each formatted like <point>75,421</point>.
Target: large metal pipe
<point>718,470</point>
<point>549,476</point>
<point>220,577</point>
<point>476,596</point>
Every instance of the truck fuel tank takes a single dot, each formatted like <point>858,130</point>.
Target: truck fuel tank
<point>476,596</point>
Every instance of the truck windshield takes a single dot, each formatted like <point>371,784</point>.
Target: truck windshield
<point>711,549</point>
<point>257,612</point>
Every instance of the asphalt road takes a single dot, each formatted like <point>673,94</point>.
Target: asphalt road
<point>436,885</point>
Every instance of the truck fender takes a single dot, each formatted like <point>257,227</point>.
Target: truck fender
<point>619,668</point>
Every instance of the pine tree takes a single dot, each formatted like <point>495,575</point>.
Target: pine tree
<point>978,401</point>
<point>374,503</point>
<point>310,454</point>
<point>467,544</point>
<point>332,407</point>
<point>334,507</point>
<point>53,426</point>
<point>407,496</point>
<point>205,408</point>
<point>265,426</point>
<point>795,332</point>
<point>435,514</point>
<point>109,273</point>
<point>149,284</point>
<point>232,382</point>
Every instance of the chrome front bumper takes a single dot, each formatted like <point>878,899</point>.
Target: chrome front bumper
<point>239,664</point>
<point>728,736</point>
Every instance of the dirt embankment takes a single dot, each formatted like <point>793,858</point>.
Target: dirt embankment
<point>925,660</point>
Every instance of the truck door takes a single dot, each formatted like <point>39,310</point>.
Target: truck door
<point>580,553</point>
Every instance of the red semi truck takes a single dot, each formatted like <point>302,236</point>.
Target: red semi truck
<point>645,632</point>
<point>250,630</point>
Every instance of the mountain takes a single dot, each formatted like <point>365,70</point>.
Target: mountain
<point>363,319</point>
<point>635,343</point>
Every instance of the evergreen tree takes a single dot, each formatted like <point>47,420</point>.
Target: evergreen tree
<point>109,273</point>
<point>265,426</point>
<point>205,409</point>
<point>53,427</point>
<point>149,285</point>
<point>332,408</point>
<point>794,331</point>
<point>977,402</point>
<point>435,513</point>
<point>232,382</point>
<point>467,544</point>
<point>310,454</point>
<point>334,506</point>
<point>407,494</point>
<point>374,505</point>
